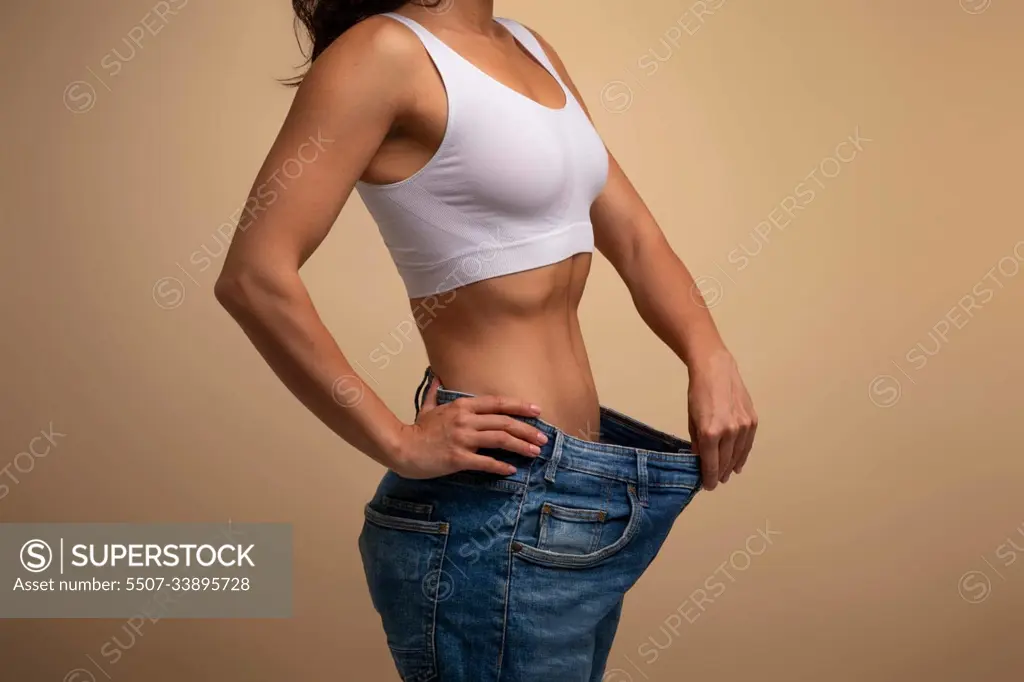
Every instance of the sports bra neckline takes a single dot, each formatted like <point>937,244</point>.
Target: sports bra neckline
<point>535,58</point>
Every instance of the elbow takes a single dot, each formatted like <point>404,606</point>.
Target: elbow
<point>254,290</point>
<point>239,290</point>
<point>230,292</point>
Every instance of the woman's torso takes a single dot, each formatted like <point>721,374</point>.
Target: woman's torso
<point>516,334</point>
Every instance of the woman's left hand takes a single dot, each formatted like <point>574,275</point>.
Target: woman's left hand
<point>722,417</point>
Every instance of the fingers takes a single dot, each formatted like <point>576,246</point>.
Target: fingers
<point>474,431</point>
<point>472,462</point>
<point>707,448</point>
<point>732,445</point>
<point>502,440</point>
<point>493,404</point>
<point>708,462</point>
<point>748,443</point>
<point>430,397</point>
<point>726,453</point>
<point>514,427</point>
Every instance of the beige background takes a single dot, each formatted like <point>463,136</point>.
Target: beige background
<point>889,474</point>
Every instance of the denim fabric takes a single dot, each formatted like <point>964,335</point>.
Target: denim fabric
<point>484,578</point>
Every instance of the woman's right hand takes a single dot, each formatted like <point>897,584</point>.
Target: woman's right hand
<point>444,439</point>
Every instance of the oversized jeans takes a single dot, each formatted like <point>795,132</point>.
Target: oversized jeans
<point>484,578</point>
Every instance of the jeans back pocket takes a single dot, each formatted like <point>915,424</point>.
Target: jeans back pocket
<point>402,553</point>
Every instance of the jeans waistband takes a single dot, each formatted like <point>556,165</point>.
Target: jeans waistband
<point>629,450</point>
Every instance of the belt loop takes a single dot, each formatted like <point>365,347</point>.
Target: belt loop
<point>641,476</point>
<point>556,455</point>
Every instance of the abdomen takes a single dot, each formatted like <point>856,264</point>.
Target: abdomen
<point>518,336</point>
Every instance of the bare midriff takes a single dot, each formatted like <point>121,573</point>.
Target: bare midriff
<point>517,336</point>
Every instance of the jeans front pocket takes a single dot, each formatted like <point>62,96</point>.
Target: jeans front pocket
<point>552,558</point>
<point>402,557</point>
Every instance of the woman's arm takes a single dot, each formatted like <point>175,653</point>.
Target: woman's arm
<point>721,413</point>
<point>345,107</point>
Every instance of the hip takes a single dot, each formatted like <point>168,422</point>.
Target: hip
<point>529,569</point>
<point>577,505</point>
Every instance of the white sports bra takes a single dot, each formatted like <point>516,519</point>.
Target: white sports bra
<point>509,189</point>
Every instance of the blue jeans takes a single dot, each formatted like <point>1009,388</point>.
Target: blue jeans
<point>484,578</point>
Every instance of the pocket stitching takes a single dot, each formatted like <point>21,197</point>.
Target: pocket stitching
<point>562,560</point>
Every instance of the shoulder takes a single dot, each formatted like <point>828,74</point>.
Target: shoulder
<point>377,46</point>
<point>383,36</point>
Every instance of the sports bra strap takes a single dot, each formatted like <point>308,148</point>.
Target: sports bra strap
<point>529,41</point>
<point>445,57</point>
<point>442,55</point>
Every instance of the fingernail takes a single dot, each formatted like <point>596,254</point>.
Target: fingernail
<point>541,438</point>
<point>510,470</point>
<point>534,449</point>
<point>534,408</point>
